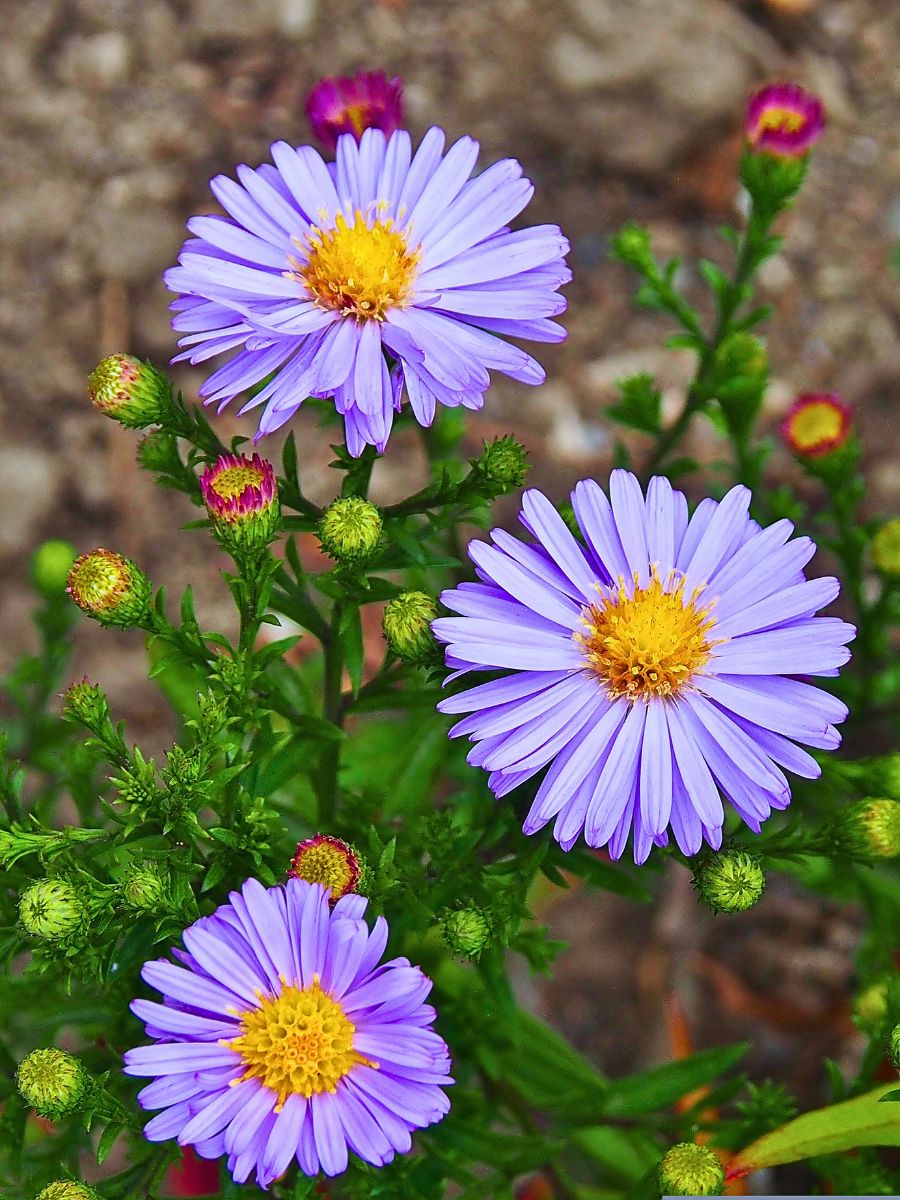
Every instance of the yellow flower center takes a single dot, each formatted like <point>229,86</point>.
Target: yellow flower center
<point>298,1043</point>
<point>816,423</point>
<point>360,270</point>
<point>782,119</point>
<point>98,580</point>
<point>326,864</point>
<point>647,644</point>
<point>234,480</point>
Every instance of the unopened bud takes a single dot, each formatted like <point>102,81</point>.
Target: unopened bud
<point>691,1170</point>
<point>871,1006</point>
<point>241,498</point>
<point>68,1189</point>
<point>51,909</point>
<point>895,1046</point>
<point>350,530</point>
<point>871,828</point>
<point>132,392</point>
<point>502,466</point>
<point>632,245</point>
<point>406,626</point>
<point>730,882</point>
<point>86,703</point>
<point>109,588</point>
<point>886,548</point>
<point>329,861</point>
<point>466,931</point>
<point>144,888</point>
<point>50,566</point>
<point>52,1082</point>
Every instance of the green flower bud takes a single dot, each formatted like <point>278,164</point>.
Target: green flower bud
<point>145,888</point>
<point>871,1006</point>
<point>68,1189</point>
<point>132,392</point>
<point>631,245</point>
<point>691,1170</point>
<point>86,704</point>
<point>109,588</point>
<point>406,626</point>
<point>50,566</point>
<point>886,548</point>
<point>51,909</point>
<point>870,828</point>
<point>350,530</point>
<point>466,931</point>
<point>730,882</point>
<point>502,466</point>
<point>52,1082</point>
<point>895,1046</point>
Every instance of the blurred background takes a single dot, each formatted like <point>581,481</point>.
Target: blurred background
<point>116,113</point>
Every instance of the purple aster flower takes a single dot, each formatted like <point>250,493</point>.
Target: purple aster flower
<point>354,103</point>
<point>653,669</point>
<point>283,1036</point>
<point>384,275</point>
<point>785,119</point>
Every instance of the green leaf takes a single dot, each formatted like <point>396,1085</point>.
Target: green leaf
<point>662,1086</point>
<point>864,1121</point>
<point>640,405</point>
<point>108,1140</point>
<point>599,873</point>
<point>626,1154</point>
<point>351,637</point>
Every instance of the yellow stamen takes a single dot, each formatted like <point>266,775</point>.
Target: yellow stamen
<point>298,1043</point>
<point>785,120</point>
<point>233,480</point>
<point>361,270</point>
<point>815,424</point>
<point>648,643</point>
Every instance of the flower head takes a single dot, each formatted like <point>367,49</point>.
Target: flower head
<point>145,888</point>
<point>52,1082</point>
<point>871,828</point>
<point>652,668</point>
<point>886,548</point>
<point>350,529</point>
<point>406,626</point>
<point>329,861</point>
<point>690,1170</point>
<point>784,119</point>
<point>132,392</point>
<point>466,931</point>
<point>354,103</point>
<point>388,275</point>
<point>816,424</point>
<point>109,588</point>
<point>501,467</point>
<point>51,909</point>
<point>730,882</point>
<point>241,498</point>
<point>68,1189</point>
<point>283,1035</point>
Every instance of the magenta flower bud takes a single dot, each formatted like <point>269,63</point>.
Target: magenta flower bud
<point>241,498</point>
<point>784,119</point>
<point>353,104</point>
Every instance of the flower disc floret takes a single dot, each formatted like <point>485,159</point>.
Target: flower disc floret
<point>390,276</point>
<point>784,119</point>
<point>354,103</point>
<point>53,1082</point>
<point>817,424</point>
<point>285,1036</point>
<point>690,1170</point>
<point>109,588</point>
<point>329,861</point>
<point>646,664</point>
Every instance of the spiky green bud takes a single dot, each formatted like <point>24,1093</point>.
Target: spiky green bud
<point>895,1046</point>
<point>350,530</point>
<point>50,566</point>
<point>870,828</point>
<point>85,703</point>
<point>886,548</point>
<point>144,888</point>
<point>690,1170</point>
<point>51,909</point>
<point>132,392</point>
<point>406,626</point>
<point>871,1006</point>
<point>631,245</point>
<point>68,1189</point>
<point>501,467</point>
<point>466,931</point>
<point>109,588</point>
<point>730,882</point>
<point>52,1082</point>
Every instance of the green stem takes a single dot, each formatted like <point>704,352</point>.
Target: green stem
<point>333,711</point>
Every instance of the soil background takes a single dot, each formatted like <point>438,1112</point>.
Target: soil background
<point>114,114</point>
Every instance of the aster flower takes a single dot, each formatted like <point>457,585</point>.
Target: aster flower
<point>784,119</point>
<point>816,424</point>
<point>385,275</point>
<point>354,103</point>
<point>653,669</point>
<point>329,861</point>
<point>282,1035</point>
